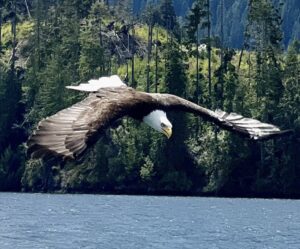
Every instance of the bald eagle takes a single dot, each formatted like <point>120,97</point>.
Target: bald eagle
<point>68,133</point>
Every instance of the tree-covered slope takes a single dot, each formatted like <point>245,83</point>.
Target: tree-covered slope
<point>235,18</point>
<point>60,42</point>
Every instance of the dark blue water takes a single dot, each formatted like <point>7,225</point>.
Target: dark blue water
<point>97,221</point>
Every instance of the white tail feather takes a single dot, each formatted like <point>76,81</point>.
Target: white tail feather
<point>94,85</point>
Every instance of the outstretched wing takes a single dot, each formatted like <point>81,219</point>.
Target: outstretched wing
<point>69,132</point>
<point>247,127</point>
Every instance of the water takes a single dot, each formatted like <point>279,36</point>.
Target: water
<point>107,221</point>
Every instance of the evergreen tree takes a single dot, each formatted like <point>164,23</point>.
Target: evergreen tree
<point>168,16</point>
<point>266,34</point>
<point>1,7</point>
<point>266,37</point>
<point>291,96</point>
<point>289,117</point>
<point>61,55</point>
<point>123,8</point>
<point>93,62</point>
<point>195,21</point>
<point>11,113</point>
<point>177,166</point>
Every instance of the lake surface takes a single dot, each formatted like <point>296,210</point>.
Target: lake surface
<point>108,221</point>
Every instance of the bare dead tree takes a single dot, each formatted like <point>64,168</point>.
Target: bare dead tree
<point>156,61</point>
<point>14,36</point>
<point>132,56</point>
<point>27,8</point>
<point>209,49</point>
<point>0,29</point>
<point>150,31</point>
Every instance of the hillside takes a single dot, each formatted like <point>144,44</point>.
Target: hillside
<point>72,42</point>
<point>235,18</point>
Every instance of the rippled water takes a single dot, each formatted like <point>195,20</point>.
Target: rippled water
<point>107,221</point>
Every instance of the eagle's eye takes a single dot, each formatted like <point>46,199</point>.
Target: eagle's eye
<point>163,125</point>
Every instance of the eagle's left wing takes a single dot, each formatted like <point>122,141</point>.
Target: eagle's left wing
<point>234,122</point>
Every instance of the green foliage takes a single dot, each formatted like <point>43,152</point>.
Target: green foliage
<point>23,32</point>
<point>33,176</point>
<point>196,19</point>
<point>235,18</point>
<point>92,60</point>
<point>291,96</point>
<point>11,168</point>
<point>4,164</point>
<point>168,16</point>
<point>147,170</point>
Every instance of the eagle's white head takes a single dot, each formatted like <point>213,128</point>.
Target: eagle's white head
<point>158,121</point>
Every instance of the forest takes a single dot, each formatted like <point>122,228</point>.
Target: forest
<point>235,18</point>
<point>194,49</point>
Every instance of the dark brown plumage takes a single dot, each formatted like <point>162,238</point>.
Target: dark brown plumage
<point>68,133</point>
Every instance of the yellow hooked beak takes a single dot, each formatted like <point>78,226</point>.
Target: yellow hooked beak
<point>167,131</point>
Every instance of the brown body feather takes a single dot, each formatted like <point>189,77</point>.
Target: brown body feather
<point>68,133</point>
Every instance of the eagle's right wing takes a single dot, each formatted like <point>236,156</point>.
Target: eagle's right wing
<point>67,134</point>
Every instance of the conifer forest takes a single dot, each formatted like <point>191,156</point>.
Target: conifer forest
<point>237,56</point>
